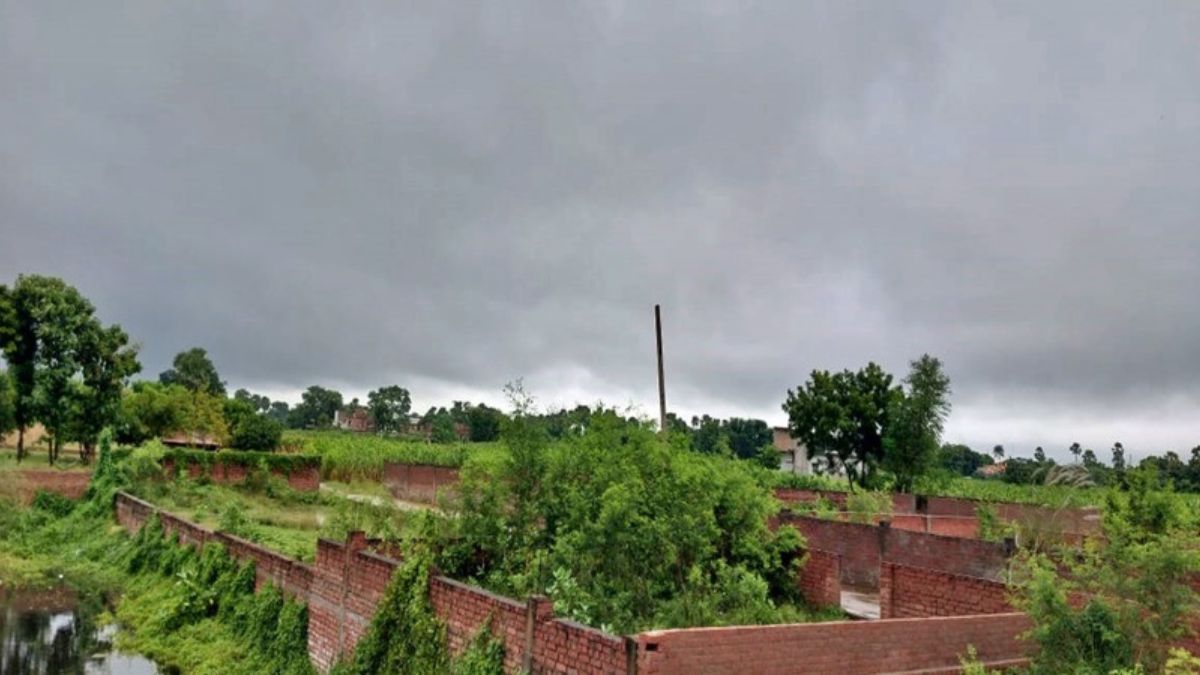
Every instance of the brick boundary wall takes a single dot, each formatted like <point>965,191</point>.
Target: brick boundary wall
<point>910,592</point>
<point>931,645</point>
<point>69,484</point>
<point>1075,523</point>
<point>857,546</point>
<point>418,482</point>
<point>347,581</point>
<point>305,479</point>
<point>863,548</point>
<point>820,579</point>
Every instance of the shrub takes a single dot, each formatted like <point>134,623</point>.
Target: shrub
<point>642,531</point>
<point>257,432</point>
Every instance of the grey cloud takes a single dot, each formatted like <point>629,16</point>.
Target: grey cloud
<point>459,195</point>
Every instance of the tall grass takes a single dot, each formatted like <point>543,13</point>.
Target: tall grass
<point>347,456</point>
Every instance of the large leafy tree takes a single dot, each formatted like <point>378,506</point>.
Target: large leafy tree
<point>19,343</point>
<point>389,407</point>
<point>316,409</point>
<point>62,318</point>
<point>8,419</point>
<point>747,437</point>
<point>107,360</point>
<point>151,410</point>
<point>259,402</point>
<point>915,422</point>
<point>67,370</point>
<point>841,419</point>
<point>484,423</point>
<point>961,459</point>
<point>195,371</point>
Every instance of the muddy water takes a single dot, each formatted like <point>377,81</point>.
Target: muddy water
<point>49,632</point>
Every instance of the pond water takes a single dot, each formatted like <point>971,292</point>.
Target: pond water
<point>50,632</point>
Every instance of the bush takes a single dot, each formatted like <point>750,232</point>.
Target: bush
<point>257,432</point>
<point>622,528</point>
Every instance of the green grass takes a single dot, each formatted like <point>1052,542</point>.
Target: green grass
<point>348,456</point>
<point>67,461</point>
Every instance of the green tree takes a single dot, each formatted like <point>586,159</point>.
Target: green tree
<point>152,410</point>
<point>841,419</point>
<point>316,409</point>
<point>1039,455</point>
<point>195,371</point>
<point>279,412</point>
<point>236,410</point>
<point>998,452</point>
<point>1118,458</point>
<point>256,432</point>
<point>59,319</point>
<point>107,361</point>
<point>961,459</point>
<point>1076,451</point>
<point>484,423</point>
<point>708,437</point>
<point>260,403</point>
<point>389,407</point>
<point>8,418</point>
<point>18,342</point>
<point>747,436</point>
<point>915,422</point>
<point>442,428</point>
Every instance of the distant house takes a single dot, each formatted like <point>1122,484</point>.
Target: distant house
<point>793,456</point>
<point>991,470</point>
<point>354,418</point>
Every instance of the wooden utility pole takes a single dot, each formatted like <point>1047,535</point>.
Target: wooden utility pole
<point>662,386</point>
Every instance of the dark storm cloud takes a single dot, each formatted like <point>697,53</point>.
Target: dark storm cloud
<point>452,196</point>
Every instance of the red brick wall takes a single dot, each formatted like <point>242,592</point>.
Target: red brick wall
<point>418,482</point>
<point>820,579</point>
<point>946,513</point>
<point>837,648</point>
<point>969,557</point>
<point>863,547</point>
<point>858,546</point>
<point>305,479</point>
<point>347,581</point>
<point>70,484</point>
<point>344,586</point>
<point>906,591</point>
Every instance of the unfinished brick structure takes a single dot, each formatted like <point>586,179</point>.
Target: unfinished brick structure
<point>303,479</point>
<point>346,582</point>
<point>418,482</point>
<point>956,516</point>
<point>863,548</point>
<point>895,646</point>
<point>70,484</point>
<point>906,591</point>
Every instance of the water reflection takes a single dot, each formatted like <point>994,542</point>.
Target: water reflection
<point>50,632</point>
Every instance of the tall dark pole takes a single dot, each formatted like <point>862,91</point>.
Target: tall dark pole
<point>662,386</point>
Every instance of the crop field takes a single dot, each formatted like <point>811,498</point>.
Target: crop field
<point>348,456</point>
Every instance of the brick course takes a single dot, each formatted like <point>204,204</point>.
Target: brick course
<point>835,648</point>
<point>906,591</point>
<point>304,479</point>
<point>418,482</point>
<point>70,484</point>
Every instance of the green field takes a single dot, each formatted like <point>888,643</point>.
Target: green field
<point>348,456</point>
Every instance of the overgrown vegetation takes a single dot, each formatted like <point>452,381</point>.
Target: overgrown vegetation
<point>622,529</point>
<point>1121,601</point>
<point>347,456</point>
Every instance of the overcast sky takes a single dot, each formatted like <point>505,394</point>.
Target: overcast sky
<point>451,195</point>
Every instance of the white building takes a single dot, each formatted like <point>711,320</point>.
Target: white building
<point>793,456</point>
